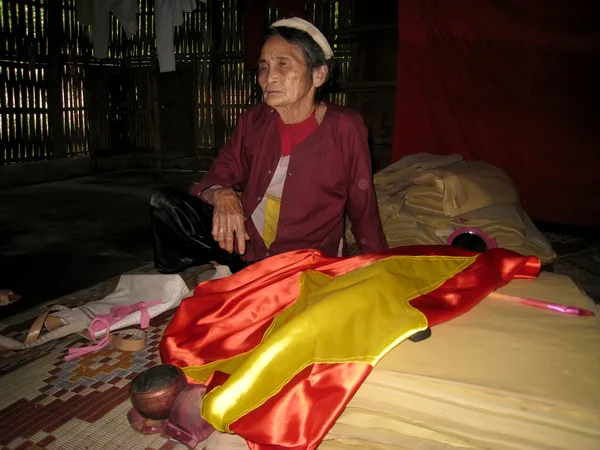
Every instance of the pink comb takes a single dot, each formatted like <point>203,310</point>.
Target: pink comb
<point>556,307</point>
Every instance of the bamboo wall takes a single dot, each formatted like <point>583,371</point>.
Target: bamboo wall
<point>57,100</point>
<point>24,124</point>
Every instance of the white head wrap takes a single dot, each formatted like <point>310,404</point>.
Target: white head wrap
<point>303,25</point>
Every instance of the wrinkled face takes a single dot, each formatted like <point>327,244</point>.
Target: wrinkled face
<point>283,74</point>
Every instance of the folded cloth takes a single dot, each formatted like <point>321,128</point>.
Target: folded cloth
<point>504,222</point>
<point>422,161</point>
<point>505,376</point>
<point>462,187</point>
<point>423,199</point>
<point>131,289</point>
<point>278,369</point>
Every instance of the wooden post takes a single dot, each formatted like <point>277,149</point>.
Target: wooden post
<point>217,74</point>
<point>156,106</point>
<point>54,76</point>
<point>196,129</point>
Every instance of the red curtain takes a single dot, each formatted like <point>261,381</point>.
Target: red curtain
<point>511,82</point>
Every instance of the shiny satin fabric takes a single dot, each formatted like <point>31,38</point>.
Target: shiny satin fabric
<point>182,231</point>
<point>275,393</point>
<point>373,301</point>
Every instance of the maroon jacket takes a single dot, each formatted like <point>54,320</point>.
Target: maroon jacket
<point>329,175</point>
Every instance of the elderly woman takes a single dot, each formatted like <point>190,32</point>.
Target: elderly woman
<point>291,171</point>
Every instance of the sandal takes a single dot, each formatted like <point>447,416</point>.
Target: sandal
<point>8,297</point>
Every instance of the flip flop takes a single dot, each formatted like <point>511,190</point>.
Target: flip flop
<point>11,297</point>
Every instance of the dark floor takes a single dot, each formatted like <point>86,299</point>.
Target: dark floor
<point>56,238</point>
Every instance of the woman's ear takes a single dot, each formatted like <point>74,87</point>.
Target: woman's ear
<point>320,76</point>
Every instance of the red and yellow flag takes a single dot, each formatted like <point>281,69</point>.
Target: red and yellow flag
<point>284,344</point>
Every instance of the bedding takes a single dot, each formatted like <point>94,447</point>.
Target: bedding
<point>504,376</point>
<point>422,199</point>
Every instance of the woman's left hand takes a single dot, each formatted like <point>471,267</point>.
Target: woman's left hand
<point>229,223</point>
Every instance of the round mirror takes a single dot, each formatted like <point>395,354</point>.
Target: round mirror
<point>471,239</point>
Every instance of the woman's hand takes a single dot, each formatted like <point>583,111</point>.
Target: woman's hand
<point>228,220</point>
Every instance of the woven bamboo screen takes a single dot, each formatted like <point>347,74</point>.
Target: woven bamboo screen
<point>56,100</point>
<point>24,125</point>
<point>27,96</point>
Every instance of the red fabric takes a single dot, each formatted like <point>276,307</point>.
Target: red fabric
<point>329,173</point>
<point>292,134</point>
<point>229,316</point>
<point>305,409</point>
<point>511,82</point>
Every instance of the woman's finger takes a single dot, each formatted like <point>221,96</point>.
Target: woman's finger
<point>229,233</point>
<point>215,226</point>
<point>222,229</point>
<point>240,234</point>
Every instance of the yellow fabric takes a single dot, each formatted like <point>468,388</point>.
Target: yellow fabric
<point>272,209</point>
<point>376,317</point>
<point>504,376</point>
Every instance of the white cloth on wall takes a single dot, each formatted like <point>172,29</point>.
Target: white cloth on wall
<point>96,13</point>
<point>169,14</point>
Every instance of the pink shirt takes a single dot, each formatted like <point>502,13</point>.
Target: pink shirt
<point>329,175</point>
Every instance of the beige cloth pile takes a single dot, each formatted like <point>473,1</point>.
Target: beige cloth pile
<point>423,198</point>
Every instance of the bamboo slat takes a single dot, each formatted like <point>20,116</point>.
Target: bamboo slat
<point>93,120</point>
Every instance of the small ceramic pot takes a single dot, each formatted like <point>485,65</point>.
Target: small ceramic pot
<point>154,391</point>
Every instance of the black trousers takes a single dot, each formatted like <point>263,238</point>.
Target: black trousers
<point>182,229</point>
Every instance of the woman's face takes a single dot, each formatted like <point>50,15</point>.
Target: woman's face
<point>283,74</point>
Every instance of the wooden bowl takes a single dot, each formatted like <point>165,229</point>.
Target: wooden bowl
<point>154,391</point>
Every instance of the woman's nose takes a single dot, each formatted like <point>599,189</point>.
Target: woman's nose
<point>271,75</point>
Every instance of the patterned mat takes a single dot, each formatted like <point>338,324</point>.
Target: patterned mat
<point>50,403</point>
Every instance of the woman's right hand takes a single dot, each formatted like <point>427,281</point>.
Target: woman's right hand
<point>228,220</point>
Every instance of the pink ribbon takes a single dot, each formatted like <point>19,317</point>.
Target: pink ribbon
<point>104,322</point>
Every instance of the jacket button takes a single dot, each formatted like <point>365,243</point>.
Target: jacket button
<point>258,198</point>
